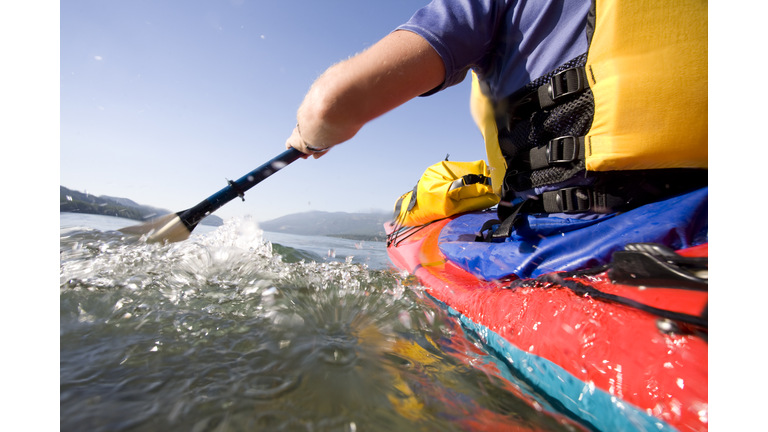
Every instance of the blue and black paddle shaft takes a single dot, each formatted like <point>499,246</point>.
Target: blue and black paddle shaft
<point>178,226</point>
<point>194,215</point>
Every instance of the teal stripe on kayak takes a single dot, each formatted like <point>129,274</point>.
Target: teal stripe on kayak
<point>585,403</point>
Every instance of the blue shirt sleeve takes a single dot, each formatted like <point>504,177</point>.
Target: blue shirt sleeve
<point>461,32</point>
<point>509,43</point>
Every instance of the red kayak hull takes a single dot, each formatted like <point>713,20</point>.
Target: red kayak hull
<point>605,345</point>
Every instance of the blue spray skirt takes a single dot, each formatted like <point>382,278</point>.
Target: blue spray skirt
<point>559,243</point>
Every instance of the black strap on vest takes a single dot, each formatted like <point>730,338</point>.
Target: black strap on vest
<point>612,191</point>
<point>558,151</point>
<point>526,122</point>
<point>566,83</point>
<point>580,199</point>
<point>487,226</point>
<point>541,128</point>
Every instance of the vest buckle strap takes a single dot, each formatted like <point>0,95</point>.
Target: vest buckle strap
<point>571,81</point>
<point>565,83</point>
<point>564,149</point>
<point>568,200</point>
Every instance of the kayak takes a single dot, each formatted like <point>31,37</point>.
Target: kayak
<point>614,337</point>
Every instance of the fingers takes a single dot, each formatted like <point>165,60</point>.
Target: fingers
<point>296,142</point>
<point>319,154</point>
<point>299,144</point>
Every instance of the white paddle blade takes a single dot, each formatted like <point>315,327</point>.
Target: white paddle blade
<point>168,227</point>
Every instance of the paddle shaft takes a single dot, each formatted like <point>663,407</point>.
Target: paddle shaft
<point>191,217</point>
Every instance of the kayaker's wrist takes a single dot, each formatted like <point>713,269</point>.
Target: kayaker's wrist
<point>308,146</point>
<point>296,141</point>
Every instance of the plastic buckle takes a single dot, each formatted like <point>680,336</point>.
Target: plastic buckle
<point>580,84</point>
<point>560,142</point>
<point>470,179</point>
<point>577,195</point>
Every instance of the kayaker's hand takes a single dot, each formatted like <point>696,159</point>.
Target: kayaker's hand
<point>296,141</point>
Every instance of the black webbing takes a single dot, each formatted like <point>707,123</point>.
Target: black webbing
<point>470,179</point>
<point>400,215</point>
<point>509,220</point>
<point>586,290</point>
<point>487,226</point>
<point>670,271</point>
<point>558,151</point>
<point>412,203</point>
<point>398,209</point>
<point>612,191</point>
<point>571,81</point>
<point>567,200</point>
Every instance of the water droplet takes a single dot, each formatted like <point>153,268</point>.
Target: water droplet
<point>703,416</point>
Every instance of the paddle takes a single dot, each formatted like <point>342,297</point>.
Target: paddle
<point>177,226</point>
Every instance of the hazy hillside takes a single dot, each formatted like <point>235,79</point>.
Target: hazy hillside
<point>356,226</point>
<point>78,202</point>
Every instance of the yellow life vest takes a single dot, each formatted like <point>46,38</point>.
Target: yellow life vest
<point>647,70</point>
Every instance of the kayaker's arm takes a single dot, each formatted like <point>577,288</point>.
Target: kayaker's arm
<point>349,94</point>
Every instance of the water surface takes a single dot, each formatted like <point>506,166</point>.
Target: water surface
<point>228,331</point>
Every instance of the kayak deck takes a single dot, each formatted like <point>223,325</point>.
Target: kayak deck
<point>604,363</point>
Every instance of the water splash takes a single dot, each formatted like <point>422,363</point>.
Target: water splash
<point>220,333</point>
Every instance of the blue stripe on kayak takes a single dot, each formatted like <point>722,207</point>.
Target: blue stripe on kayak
<point>552,243</point>
<point>556,389</point>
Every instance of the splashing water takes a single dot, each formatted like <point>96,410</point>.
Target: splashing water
<point>220,333</point>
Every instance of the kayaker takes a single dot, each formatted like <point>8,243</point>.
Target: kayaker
<point>585,106</point>
<point>434,50</point>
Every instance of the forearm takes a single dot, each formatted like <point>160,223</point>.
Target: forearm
<point>349,94</point>
<point>330,112</point>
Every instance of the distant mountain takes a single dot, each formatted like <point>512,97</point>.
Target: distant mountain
<point>355,226</point>
<point>78,202</point>
<point>126,202</point>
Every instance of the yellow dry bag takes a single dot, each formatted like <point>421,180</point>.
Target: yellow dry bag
<point>445,189</point>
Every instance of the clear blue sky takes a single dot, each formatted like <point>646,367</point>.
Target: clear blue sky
<point>161,101</point>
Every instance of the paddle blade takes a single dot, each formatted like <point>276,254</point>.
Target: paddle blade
<point>168,227</point>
